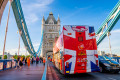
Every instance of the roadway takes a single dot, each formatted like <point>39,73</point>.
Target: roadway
<point>86,76</point>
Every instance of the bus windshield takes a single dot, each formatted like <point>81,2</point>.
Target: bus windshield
<point>101,58</point>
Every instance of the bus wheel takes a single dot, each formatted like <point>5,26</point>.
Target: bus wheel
<point>101,69</point>
<point>116,72</point>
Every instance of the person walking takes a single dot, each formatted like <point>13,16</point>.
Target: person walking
<point>40,60</point>
<point>21,62</point>
<point>25,61</point>
<point>32,60</point>
<point>43,60</point>
<point>28,62</point>
<point>13,62</point>
<point>17,62</point>
<point>37,60</point>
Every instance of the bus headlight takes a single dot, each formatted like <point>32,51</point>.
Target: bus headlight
<point>106,64</point>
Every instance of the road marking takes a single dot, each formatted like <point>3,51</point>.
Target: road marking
<point>112,78</point>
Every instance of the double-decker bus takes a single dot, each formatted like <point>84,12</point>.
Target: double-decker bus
<point>75,51</point>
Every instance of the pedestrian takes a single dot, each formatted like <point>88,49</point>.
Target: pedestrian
<point>17,62</point>
<point>28,62</point>
<point>43,60</point>
<point>25,61</point>
<point>32,60</point>
<point>50,59</point>
<point>21,62</point>
<point>13,62</point>
<point>37,60</point>
<point>40,60</point>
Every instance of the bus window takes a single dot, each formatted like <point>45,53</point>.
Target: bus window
<point>80,39</point>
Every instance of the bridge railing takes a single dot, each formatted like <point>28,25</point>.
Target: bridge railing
<point>7,64</point>
<point>117,59</point>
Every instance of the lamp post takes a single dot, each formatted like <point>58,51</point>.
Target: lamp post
<point>6,29</point>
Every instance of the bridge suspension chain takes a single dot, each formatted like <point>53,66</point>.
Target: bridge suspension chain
<point>109,23</point>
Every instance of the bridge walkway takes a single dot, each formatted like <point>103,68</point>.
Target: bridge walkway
<point>34,72</point>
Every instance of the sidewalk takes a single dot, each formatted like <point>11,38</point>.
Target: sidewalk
<point>34,72</point>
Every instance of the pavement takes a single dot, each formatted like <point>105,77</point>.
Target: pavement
<point>83,76</point>
<point>34,72</point>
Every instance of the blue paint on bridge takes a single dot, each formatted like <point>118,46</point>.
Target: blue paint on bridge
<point>20,20</point>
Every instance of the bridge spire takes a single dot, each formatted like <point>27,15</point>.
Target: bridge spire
<point>58,20</point>
<point>43,20</point>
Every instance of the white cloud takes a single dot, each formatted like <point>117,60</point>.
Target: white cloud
<point>114,41</point>
<point>116,31</point>
<point>31,18</point>
<point>22,49</point>
<point>34,8</point>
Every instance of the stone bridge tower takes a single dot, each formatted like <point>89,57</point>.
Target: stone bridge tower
<point>51,28</point>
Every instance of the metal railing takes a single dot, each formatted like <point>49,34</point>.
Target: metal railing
<point>7,64</point>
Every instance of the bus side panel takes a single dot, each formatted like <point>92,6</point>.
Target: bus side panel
<point>61,54</point>
<point>58,53</point>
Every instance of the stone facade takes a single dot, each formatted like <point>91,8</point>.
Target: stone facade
<point>51,29</point>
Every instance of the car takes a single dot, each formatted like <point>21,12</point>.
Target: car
<point>106,64</point>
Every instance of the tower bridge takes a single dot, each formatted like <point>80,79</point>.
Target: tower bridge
<point>50,30</point>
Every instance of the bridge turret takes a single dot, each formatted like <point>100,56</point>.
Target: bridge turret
<point>58,20</point>
<point>43,20</point>
<point>58,23</point>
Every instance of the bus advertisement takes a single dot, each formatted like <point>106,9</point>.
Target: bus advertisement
<point>75,51</point>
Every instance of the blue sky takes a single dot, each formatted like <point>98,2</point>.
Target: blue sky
<point>71,12</point>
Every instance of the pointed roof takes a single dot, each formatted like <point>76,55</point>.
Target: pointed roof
<point>50,13</point>
<point>58,18</point>
<point>43,19</point>
<point>50,17</point>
